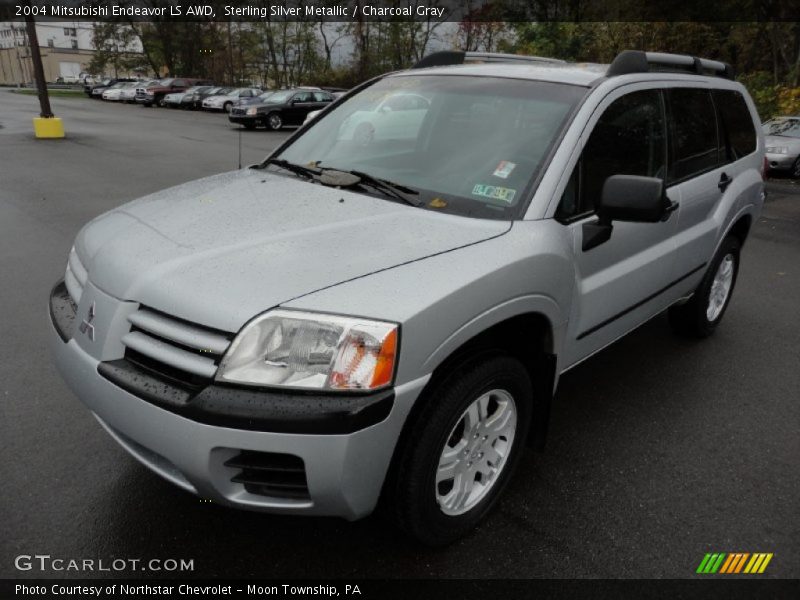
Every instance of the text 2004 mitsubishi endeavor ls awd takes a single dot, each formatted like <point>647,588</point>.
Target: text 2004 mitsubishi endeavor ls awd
<point>382,308</point>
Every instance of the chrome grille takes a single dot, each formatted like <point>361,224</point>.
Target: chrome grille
<point>75,277</point>
<point>165,341</point>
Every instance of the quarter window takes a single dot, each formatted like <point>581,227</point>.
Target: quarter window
<point>628,139</point>
<point>694,133</point>
<point>737,133</point>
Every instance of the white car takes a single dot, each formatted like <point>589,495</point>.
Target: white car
<point>174,100</point>
<point>397,116</point>
<point>226,101</point>
<point>113,93</point>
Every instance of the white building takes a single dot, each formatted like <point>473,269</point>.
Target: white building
<point>67,48</point>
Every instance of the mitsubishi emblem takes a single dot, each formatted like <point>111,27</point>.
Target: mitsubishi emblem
<point>86,325</point>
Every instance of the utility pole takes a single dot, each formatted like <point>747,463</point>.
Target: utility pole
<point>38,69</point>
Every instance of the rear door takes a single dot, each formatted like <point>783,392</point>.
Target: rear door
<point>621,282</point>
<point>712,131</point>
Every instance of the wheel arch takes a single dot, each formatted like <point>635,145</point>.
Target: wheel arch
<point>530,336</point>
<point>509,335</point>
<point>741,228</point>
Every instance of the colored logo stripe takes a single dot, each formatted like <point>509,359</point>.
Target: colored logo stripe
<point>734,562</point>
<point>711,563</point>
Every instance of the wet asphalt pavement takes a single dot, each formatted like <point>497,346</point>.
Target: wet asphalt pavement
<point>660,449</point>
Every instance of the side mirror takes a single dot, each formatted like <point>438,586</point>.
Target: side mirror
<point>630,198</point>
<point>633,198</point>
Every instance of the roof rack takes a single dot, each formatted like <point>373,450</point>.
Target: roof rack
<point>636,61</point>
<point>457,57</point>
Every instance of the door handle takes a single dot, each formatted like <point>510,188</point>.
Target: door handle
<point>724,182</point>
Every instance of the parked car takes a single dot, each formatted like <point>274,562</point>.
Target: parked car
<point>174,99</point>
<point>226,101</point>
<point>114,92</point>
<point>193,98</point>
<point>349,322</point>
<point>96,91</point>
<point>128,94</point>
<point>783,144</point>
<point>153,95</point>
<point>286,107</point>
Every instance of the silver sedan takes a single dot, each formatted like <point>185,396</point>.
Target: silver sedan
<point>783,145</point>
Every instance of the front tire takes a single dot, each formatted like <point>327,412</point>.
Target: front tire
<point>700,316</point>
<point>462,450</point>
<point>274,121</point>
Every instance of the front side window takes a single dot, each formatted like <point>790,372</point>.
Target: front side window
<point>694,131</point>
<point>628,139</point>
<point>466,145</point>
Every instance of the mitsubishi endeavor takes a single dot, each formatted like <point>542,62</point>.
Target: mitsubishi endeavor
<point>370,317</point>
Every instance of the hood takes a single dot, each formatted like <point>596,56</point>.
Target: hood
<point>220,250</point>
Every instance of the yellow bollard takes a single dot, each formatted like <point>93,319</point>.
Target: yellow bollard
<point>48,128</point>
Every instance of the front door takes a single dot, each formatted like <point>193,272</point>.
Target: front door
<point>621,282</point>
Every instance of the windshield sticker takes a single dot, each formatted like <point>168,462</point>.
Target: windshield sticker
<point>504,169</point>
<point>495,192</point>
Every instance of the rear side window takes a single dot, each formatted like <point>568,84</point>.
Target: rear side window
<point>628,139</point>
<point>694,128</point>
<point>737,132</point>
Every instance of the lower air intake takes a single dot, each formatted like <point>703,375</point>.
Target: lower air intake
<point>271,474</point>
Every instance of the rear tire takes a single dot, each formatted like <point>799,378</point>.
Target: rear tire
<point>462,450</point>
<point>700,316</point>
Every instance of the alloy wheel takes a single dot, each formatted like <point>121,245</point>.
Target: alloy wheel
<point>720,287</point>
<point>476,452</point>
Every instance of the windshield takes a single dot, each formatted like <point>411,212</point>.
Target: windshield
<point>784,127</point>
<point>166,82</point>
<point>280,97</point>
<point>468,145</point>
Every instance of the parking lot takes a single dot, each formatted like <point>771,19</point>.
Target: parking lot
<point>660,449</point>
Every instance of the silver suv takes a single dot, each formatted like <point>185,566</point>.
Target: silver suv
<point>383,307</point>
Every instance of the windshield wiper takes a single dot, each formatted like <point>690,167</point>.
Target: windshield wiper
<point>294,168</point>
<point>390,188</point>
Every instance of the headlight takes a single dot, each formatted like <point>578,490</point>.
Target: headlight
<point>293,349</point>
<point>252,111</point>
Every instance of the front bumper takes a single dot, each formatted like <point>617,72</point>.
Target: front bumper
<point>244,119</point>
<point>344,472</point>
<point>780,162</point>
